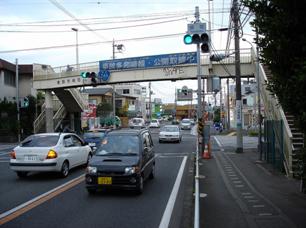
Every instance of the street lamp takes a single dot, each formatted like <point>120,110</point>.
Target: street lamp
<point>77,47</point>
<point>258,99</point>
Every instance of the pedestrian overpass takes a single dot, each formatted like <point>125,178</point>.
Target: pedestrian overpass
<point>63,81</point>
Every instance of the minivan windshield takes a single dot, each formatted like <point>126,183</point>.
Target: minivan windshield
<point>119,145</point>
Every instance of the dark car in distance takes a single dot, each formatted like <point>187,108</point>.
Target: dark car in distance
<point>94,137</point>
<point>125,159</point>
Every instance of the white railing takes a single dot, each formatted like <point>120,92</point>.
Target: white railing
<point>78,97</point>
<point>274,111</point>
<point>59,116</point>
<point>40,120</point>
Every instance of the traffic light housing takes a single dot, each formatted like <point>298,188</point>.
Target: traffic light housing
<point>198,38</point>
<point>92,75</point>
<point>24,102</point>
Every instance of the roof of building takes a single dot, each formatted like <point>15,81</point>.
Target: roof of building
<point>23,68</point>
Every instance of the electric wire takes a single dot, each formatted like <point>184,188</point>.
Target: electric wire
<point>91,30</point>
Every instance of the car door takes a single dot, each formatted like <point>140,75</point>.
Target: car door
<point>79,151</point>
<point>70,150</point>
<point>149,154</point>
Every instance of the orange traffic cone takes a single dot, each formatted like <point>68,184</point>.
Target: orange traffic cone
<point>206,154</point>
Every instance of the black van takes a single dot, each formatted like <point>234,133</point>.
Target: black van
<point>125,159</point>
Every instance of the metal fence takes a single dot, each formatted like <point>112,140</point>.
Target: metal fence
<point>274,143</point>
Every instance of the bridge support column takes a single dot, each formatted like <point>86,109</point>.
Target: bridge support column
<point>49,111</point>
<point>71,117</point>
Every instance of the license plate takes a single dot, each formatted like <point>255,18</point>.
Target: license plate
<point>30,158</point>
<point>105,180</point>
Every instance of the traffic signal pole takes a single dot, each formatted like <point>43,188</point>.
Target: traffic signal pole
<point>199,117</point>
<point>17,101</point>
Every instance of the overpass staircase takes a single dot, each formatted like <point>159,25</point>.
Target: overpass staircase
<point>283,140</point>
<point>71,100</point>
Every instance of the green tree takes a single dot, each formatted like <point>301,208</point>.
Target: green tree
<point>104,109</point>
<point>282,42</point>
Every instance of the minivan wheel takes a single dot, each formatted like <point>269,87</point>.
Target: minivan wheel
<point>139,188</point>
<point>65,169</point>
<point>152,174</point>
<point>22,174</point>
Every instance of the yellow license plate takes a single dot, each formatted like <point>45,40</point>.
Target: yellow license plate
<point>105,180</point>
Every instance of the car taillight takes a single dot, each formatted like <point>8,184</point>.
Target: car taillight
<point>13,154</point>
<point>51,154</point>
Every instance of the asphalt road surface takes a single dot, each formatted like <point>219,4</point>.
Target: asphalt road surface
<point>45,200</point>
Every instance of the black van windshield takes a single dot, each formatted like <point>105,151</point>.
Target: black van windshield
<point>119,145</point>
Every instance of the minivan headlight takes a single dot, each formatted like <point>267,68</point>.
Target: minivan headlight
<point>91,170</point>
<point>132,170</point>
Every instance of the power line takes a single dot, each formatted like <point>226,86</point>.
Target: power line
<point>92,30</point>
<point>55,3</point>
<point>95,43</point>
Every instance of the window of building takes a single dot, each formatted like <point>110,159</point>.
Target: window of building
<point>126,91</point>
<point>92,101</point>
<point>244,101</point>
<point>247,89</point>
<point>137,91</point>
<point>9,78</point>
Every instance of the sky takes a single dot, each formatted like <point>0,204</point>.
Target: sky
<point>40,31</point>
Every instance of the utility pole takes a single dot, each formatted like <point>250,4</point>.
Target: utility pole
<point>76,47</point>
<point>259,100</point>
<point>239,148</point>
<point>17,100</point>
<point>150,106</point>
<point>221,110</point>
<point>175,100</point>
<point>228,108</point>
<point>120,49</point>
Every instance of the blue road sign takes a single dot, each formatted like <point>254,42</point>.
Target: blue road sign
<point>104,75</point>
<point>153,61</point>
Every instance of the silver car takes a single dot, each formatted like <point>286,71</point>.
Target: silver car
<point>170,133</point>
<point>185,124</point>
<point>137,123</point>
<point>57,152</point>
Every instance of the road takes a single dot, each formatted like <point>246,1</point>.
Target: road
<point>72,206</point>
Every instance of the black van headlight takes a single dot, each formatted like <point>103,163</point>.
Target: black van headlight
<point>132,170</point>
<point>91,170</point>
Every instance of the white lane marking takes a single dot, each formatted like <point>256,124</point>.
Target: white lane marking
<point>37,198</point>
<point>258,205</point>
<point>171,201</point>
<point>246,193</point>
<point>218,142</point>
<point>265,214</point>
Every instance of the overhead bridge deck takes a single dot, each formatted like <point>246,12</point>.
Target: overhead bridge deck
<point>46,77</point>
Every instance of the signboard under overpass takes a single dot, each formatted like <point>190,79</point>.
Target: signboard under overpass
<point>144,62</point>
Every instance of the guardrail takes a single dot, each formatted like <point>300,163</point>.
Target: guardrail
<point>59,116</point>
<point>40,120</point>
<point>79,98</point>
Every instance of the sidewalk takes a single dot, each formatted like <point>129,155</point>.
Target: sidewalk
<point>241,192</point>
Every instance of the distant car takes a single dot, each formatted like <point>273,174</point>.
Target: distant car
<point>137,123</point>
<point>170,133</point>
<point>175,121</point>
<point>125,160</point>
<point>58,152</point>
<point>154,123</point>
<point>94,137</point>
<point>185,124</point>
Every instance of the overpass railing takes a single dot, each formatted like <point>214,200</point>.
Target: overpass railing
<point>274,111</point>
<point>43,72</point>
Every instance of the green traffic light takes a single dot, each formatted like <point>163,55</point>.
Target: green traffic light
<point>83,74</point>
<point>187,39</point>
